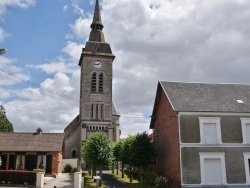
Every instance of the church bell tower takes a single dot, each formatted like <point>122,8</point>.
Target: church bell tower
<point>97,111</point>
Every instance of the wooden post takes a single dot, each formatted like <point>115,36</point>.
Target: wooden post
<point>8,161</point>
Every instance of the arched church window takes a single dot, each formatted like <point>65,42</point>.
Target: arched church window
<point>101,82</point>
<point>74,154</point>
<point>93,82</point>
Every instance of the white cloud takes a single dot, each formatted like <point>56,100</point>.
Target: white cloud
<point>20,3</point>
<point>73,50</point>
<point>10,74</point>
<point>2,34</point>
<point>81,27</point>
<point>65,7</point>
<point>58,65</point>
<point>178,40</point>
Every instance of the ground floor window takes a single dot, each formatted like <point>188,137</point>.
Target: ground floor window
<point>26,162</point>
<point>20,162</point>
<point>213,171</point>
<point>30,162</point>
<point>247,166</point>
<point>41,161</point>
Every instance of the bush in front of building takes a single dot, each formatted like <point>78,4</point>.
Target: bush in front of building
<point>17,177</point>
<point>161,182</point>
<point>73,170</point>
<point>67,168</point>
<point>39,170</point>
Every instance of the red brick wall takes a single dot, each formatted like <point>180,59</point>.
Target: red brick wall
<point>56,162</point>
<point>166,137</point>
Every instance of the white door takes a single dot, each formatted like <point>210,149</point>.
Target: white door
<point>212,168</point>
<point>210,133</point>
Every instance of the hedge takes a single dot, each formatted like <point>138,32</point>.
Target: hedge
<point>17,177</point>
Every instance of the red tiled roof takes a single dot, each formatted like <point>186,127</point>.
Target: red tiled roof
<point>44,142</point>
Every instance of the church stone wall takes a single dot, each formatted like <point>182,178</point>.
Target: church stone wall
<point>73,139</point>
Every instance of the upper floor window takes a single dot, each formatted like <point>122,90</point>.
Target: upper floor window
<point>245,124</point>
<point>210,130</point>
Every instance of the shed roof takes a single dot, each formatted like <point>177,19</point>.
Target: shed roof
<point>205,97</point>
<point>45,142</point>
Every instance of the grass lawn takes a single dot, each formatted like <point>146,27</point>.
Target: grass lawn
<point>89,182</point>
<point>126,180</point>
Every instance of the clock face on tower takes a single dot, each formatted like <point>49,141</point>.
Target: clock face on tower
<point>98,64</point>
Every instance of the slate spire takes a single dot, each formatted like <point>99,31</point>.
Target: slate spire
<point>97,20</point>
<point>96,26</point>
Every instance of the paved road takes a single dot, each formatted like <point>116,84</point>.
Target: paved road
<point>111,182</point>
<point>65,181</point>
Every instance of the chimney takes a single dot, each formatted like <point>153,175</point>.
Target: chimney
<point>39,131</point>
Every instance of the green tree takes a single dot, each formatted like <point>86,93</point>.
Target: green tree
<point>127,155</point>
<point>117,153</point>
<point>5,125</point>
<point>98,151</point>
<point>144,153</point>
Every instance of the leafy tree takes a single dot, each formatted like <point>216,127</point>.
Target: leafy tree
<point>117,153</point>
<point>5,125</point>
<point>98,151</point>
<point>144,153</point>
<point>127,155</point>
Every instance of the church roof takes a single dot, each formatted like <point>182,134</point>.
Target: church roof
<point>24,142</point>
<point>205,97</point>
<point>96,26</point>
<point>114,111</point>
<point>97,20</point>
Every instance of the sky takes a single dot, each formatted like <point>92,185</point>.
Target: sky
<point>169,40</point>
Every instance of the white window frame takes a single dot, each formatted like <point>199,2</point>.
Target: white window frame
<point>244,121</point>
<point>214,120</point>
<point>246,157</point>
<point>213,155</point>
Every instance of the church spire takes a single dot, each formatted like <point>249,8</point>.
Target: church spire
<point>96,26</point>
<point>97,21</point>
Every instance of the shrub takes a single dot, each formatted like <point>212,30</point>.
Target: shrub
<point>73,170</point>
<point>161,182</point>
<point>39,170</point>
<point>149,177</point>
<point>67,168</point>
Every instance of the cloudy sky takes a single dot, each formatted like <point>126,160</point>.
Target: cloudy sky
<point>170,40</point>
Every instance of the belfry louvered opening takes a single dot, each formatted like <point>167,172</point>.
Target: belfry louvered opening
<point>93,83</point>
<point>101,82</point>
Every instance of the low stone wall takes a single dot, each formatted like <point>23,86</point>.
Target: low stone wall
<point>72,162</point>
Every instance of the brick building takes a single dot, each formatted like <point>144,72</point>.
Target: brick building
<point>28,151</point>
<point>202,134</point>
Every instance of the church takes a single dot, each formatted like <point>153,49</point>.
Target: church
<point>97,111</point>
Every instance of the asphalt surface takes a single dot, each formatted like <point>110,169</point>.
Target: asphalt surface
<point>65,180</point>
<point>111,182</point>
